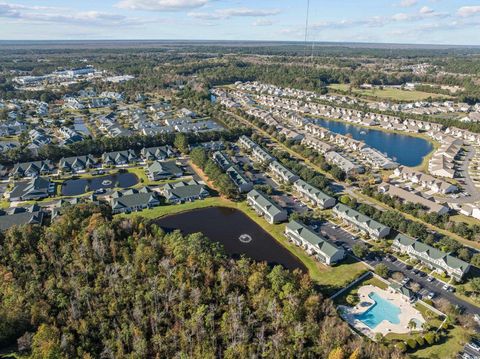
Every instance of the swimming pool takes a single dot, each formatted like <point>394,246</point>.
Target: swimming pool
<point>381,310</point>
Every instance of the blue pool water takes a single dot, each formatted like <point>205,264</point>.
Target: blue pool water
<point>381,310</point>
<point>404,149</point>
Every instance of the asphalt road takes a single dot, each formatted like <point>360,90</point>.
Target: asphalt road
<point>347,240</point>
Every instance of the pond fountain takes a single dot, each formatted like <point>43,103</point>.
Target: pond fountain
<point>245,238</point>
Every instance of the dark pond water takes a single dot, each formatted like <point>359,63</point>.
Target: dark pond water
<point>406,150</point>
<point>226,225</point>
<point>75,187</point>
<point>80,126</point>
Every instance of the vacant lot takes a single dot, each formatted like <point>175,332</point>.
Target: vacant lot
<point>389,93</point>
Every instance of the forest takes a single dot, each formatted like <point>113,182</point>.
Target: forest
<point>93,286</point>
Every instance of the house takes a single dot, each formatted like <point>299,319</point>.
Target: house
<point>32,169</point>
<point>313,243</point>
<point>246,142</point>
<point>119,158</point>
<point>77,164</point>
<point>184,191</point>
<point>313,195</point>
<point>236,175</point>
<point>432,257</point>
<point>346,165</point>
<point>21,216</point>
<point>134,200</point>
<point>282,173</point>
<point>405,292</point>
<point>265,207</point>
<point>157,170</point>
<point>361,222</point>
<point>262,156</point>
<point>407,196</point>
<point>157,153</point>
<point>34,189</point>
<point>424,180</point>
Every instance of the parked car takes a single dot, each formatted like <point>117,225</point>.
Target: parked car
<point>474,346</point>
<point>429,279</point>
<point>445,287</point>
<point>431,295</point>
<point>405,280</point>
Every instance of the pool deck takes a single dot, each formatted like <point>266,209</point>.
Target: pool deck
<point>408,312</point>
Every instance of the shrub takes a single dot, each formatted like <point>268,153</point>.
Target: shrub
<point>420,341</point>
<point>401,346</point>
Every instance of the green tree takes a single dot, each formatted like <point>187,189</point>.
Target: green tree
<point>382,270</point>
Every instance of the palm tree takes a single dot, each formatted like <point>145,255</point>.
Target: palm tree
<point>412,324</point>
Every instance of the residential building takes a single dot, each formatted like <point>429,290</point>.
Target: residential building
<point>77,164</point>
<point>361,222</point>
<point>262,156</point>
<point>20,216</point>
<point>345,164</point>
<point>282,173</point>
<point>236,175</point>
<point>184,191</point>
<point>32,169</point>
<point>157,170</point>
<point>134,200</point>
<point>313,243</point>
<point>265,207</point>
<point>407,196</point>
<point>119,158</point>
<point>432,257</point>
<point>426,181</point>
<point>313,195</point>
<point>34,189</point>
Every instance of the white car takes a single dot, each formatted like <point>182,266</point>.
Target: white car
<point>431,295</point>
<point>474,346</point>
<point>445,287</point>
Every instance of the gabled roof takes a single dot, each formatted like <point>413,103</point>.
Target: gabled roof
<point>312,191</point>
<point>432,252</point>
<point>265,202</point>
<point>359,217</point>
<point>313,238</point>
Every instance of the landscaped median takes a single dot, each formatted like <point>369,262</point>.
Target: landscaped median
<point>329,279</point>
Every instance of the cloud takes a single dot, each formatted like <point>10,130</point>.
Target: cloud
<point>466,11</point>
<point>38,14</point>
<point>426,10</point>
<point>161,5</point>
<point>408,3</point>
<point>221,14</point>
<point>262,22</point>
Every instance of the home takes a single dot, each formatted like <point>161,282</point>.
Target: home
<point>345,164</point>
<point>407,294</point>
<point>313,195</point>
<point>282,173</point>
<point>407,196</point>
<point>32,190</point>
<point>157,153</point>
<point>262,156</point>
<point>313,243</point>
<point>360,221</point>
<point>236,175</point>
<point>246,142</point>
<point>20,216</point>
<point>184,191</point>
<point>264,206</point>
<point>119,158</point>
<point>77,164</point>
<point>424,180</point>
<point>32,169</point>
<point>432,257</point>
<point>157,170</point>
<point>134,200</point>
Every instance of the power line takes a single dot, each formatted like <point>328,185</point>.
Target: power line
<point>306,33</point>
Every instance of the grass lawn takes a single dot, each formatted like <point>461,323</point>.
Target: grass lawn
<point>447,349</point>
<point>389,93</point>
<point>329,279</point>
<point>465,219</point>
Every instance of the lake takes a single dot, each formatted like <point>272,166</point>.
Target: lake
<point>226,226</point>
<point>75,187</point>
<point>404,149</point>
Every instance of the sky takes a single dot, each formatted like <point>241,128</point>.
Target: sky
<point>382,21</point>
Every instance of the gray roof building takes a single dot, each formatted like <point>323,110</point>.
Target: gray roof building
<point>33,189</point>
<point>265,207</point>
<point>184,191</point>
<point>163,170</point>
<point>361,221</point>
<point>134,200</point>
<point>77,163</point>
<point>32,169</point>
<point>314,195</point>
<point>313,243</point>
<point>432,257</point>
